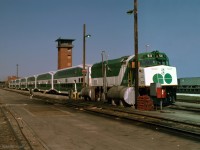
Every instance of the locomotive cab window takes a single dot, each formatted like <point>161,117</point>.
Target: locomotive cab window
<point>163,62</point>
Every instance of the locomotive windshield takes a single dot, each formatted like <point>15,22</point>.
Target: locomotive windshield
<point>153,59</point>
<point>153,62</point>
<point>163,62</point>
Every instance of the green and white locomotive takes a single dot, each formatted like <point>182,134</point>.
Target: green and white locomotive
<point>114,79</point>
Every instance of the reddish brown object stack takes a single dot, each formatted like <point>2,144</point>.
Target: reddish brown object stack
<point>144,103</point>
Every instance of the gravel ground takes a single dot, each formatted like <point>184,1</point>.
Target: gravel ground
<point>59,127</point>
<point>13,139</point>
<point>7,139</point>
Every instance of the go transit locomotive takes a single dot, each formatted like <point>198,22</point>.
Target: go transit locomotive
<point>111,79</point>
<point>114,79</point>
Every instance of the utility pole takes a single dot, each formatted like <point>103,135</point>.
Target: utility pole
<point>135,26</point>
<point>83,71</point>
<point>104,74</point>
<point>136,51</point>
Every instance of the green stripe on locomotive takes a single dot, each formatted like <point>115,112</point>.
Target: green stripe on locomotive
<point>114,65</point>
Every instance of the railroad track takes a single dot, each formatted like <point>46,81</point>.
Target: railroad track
<point>182,127</point>
<point>7,134</point>
<point>189,100</point>
<point>22,142</point>
<point>185,108</point>
<point>23,135</point>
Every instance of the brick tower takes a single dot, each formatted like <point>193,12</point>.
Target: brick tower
<point>64,53</point>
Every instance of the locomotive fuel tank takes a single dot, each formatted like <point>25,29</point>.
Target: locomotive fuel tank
<point>122,93</point>
<point>88,93</point>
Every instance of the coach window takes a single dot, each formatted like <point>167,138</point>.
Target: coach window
<point>80,80</point>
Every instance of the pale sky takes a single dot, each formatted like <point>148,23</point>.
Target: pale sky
<point>29,28</point>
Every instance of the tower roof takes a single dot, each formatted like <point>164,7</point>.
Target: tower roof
<point>65,40</point>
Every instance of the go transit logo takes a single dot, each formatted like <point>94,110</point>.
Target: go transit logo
<point>162,77</point>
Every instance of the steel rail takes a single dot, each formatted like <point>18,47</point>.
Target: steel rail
<point>19,127</point>
<point>21,147</point>
<point>185,108</point>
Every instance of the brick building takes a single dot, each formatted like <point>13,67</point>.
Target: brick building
<point>64,53</point>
